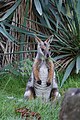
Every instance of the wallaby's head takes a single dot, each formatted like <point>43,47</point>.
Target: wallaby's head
<point>43,49</point>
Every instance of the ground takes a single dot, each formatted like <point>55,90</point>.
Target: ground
<point>11,97</point>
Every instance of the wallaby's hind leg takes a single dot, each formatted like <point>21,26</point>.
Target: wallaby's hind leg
<point>51,72</point>
<point>54,92</point>
<point>29,92</point>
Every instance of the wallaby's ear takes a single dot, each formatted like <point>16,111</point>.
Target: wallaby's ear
<point>50,39</point>
<point>38,40</point>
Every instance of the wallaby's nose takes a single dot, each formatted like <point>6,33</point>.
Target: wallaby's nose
<point>47,55</point>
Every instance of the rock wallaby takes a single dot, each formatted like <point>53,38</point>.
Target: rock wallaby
<point>42,82</point>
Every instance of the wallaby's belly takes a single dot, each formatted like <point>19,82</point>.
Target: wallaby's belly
<point>43,90</point>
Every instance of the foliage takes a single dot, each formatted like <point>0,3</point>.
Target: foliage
<point>26,67</point>
<point>63,20</point>
<point>23,68</point>
<point>9,11</point>
<point>15,31</point>
<point>11,97</point>
<point>11,85</point>
<point>6,20</point>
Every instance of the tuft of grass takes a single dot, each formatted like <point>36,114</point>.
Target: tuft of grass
<point>8,106</point>
<point>11,97</point>
<point>12,85</point>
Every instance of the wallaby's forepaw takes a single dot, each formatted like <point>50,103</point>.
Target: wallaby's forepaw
<point>39,82</point>
<point>48,83</point>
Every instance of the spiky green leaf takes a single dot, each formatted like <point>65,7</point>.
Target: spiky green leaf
<point>38,6</point>
<point>11,10</point>
<point>78,64</point>
<point>60,57</point>
<point>78,10</point>
<point>7,35</point>
<point>68,71</point>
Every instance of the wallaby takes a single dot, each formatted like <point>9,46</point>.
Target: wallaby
<point>43,74</point>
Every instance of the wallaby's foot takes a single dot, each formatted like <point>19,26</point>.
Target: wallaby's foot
<point>29,93</point>
<point>54,94</point>
<point>48,83</point>
<point>39,82</point>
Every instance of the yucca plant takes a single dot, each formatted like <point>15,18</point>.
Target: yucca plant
<point>7,41</point>
<point>61,18</point>
<point>58,17</point>
<point>13,30</point>
<point>68,44</point>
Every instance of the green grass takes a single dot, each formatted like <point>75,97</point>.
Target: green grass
<point>11,97</point>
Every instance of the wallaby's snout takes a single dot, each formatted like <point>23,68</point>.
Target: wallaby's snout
<point>47,55</point>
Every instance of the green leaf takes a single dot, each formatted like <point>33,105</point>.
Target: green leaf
<point>60,57</point>
<point>46,2</point>
<point>24,31</point>
<point>78,64</point>
<point>78,10</point>
<point>60,5</point>
<point>38,6</point>
<point>21,30</point>
<point>11,10</point>
<point>72,28</point>
<point>47,21</point>
<point>6,34</point>
<point>68,71</point>
<point>76,21</point>
<point>72,7</point>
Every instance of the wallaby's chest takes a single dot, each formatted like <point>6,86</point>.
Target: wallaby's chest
<point>43,72</point>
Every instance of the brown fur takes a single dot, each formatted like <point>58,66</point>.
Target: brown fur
<point>51,71</point>
<point>36,69</point>
<point>36,66</point>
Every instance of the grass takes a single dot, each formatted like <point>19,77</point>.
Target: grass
<point>11,97</point>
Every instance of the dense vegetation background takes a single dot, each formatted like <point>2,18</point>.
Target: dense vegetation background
<point>20,21</point>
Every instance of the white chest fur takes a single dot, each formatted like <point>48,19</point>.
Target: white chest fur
<point>43,73</point>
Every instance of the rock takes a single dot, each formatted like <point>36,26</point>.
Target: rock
<point>70,108</point>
